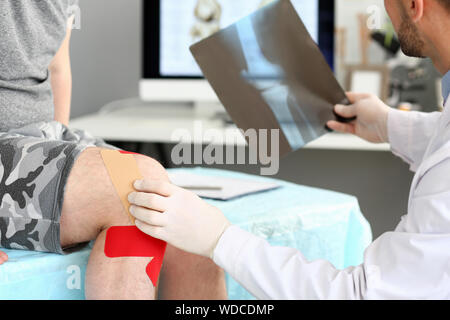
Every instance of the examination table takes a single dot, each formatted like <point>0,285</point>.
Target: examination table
<point>321,224</point>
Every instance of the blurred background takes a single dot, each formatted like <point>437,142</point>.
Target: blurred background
<point>107,66</point>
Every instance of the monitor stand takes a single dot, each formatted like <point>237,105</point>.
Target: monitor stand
<point>212,110</point>
<point>208,110</point>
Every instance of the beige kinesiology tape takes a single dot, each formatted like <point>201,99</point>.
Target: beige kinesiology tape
<point>123,170</point>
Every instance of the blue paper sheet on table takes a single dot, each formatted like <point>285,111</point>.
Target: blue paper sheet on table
<point>321,224</point>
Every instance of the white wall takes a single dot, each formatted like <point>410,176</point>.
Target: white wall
<point>106,54</point>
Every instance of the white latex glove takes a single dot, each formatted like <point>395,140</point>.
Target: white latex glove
<point>3,257</point>
<point>372,117</point>
<point>177,216</point>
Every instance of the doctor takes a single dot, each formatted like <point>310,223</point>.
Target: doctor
<point>412,262</point>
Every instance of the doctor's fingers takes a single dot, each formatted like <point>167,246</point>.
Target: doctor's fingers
<point>341,127</point>
<point>155,232</point>
<point>355,97</point>
<point>148,200</point>
<point>162,188</point>
<point>346,111</point>
<point>151,217</point>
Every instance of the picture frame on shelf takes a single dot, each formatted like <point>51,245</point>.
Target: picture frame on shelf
<point>368,79</point>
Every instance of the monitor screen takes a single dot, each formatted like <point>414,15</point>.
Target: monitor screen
<point>172,26</point>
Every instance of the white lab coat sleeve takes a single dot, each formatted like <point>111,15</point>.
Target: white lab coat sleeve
<point>411,263</point>
<point>282,273</point>
<point>396,266</point>
<point>410,133</point>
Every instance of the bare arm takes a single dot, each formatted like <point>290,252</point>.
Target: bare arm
<point>61,79</point>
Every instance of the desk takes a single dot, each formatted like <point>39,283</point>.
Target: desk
<point>322,224</point>
<point>153,124</point>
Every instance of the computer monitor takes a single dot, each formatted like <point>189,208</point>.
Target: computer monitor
<point>170,73</point>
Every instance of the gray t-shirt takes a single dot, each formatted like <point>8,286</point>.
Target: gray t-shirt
<point>31,32</point>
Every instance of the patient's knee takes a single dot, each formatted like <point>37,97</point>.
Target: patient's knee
<point>91,203</point>
<point>150,168</point>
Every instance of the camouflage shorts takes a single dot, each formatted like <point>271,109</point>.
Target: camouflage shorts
<point>35,163</point>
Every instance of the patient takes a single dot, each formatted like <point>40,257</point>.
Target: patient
<point>55,191</point>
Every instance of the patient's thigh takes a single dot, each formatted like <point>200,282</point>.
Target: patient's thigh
<point>91,203</point>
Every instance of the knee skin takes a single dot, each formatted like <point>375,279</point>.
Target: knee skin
<point>150,168</point>
<point>91,203</point>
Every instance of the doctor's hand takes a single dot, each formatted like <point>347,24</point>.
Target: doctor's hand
<point>177,216</point>
<point>371,118</point>
<point>3,257</point>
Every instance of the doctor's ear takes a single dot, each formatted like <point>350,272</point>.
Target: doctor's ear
<point>414,9</point>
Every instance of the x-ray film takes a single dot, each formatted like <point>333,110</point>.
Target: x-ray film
<point>270,74</point>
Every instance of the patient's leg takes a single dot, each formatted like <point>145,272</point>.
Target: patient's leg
<point>91,206</point>
<point>190,277</point>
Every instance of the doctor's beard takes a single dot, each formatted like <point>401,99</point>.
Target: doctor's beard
<point>410,41</point>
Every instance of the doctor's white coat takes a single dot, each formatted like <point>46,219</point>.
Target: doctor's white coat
<point>412,262</point>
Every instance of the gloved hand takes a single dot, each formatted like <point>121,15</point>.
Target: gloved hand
<point>3,257</point>
<point>372,117</point>
<point>177,216</point>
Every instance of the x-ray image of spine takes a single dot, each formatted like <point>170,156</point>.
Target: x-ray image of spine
<point>208,14</point>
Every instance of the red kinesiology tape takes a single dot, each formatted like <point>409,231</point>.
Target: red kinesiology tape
<point>131,242</point>
<point>129,152</point>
